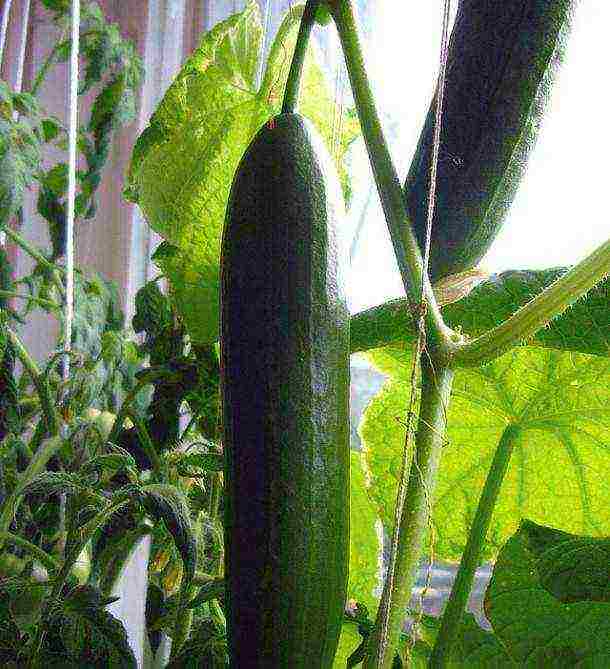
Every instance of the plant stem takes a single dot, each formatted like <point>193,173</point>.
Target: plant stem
<point>405,245</point>
<point>148,446</point>
<point>43,557</point>
<point>293,83</point>
<point>462,586</point>
<point>549,304</point>
<point>436,390</point>
<point>125,410</point>
<point>39,381</point>
<point>44,68</point>
<point>46,304</point>
<point>37,256</point>
<point>45,452</point>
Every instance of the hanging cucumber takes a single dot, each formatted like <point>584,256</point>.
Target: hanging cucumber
<point>502,56</point>
<point>285,385</point>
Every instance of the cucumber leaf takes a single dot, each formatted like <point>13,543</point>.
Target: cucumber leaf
<point>184,161</point>
<point>364,543</point>
<point>569,627</point>
<point>474,647</point>
<point>348,642</point>
<point>561,402</point>
<point>584,327</point>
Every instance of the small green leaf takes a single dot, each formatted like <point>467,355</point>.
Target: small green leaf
<point>561,403</point>
<point>537,627</point>
<point>81,616</point>
<point>196,464</point>
<point>165,502</point>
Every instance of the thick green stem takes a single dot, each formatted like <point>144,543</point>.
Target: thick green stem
<point>462,586</point>
<point>406,249</point>
<point>436,390</point>
<point>293,83</point>
<point>549,304</point>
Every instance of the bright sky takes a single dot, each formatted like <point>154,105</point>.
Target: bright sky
<point>558,215</point>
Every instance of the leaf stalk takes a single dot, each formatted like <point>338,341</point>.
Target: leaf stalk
<point>462,585</point>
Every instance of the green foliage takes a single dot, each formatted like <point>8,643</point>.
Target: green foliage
<point>196,138</point>
<point>584,327</point>
<point>560,401</point>
<point>80,632</point>
<point>207,647</point>
<point>21,139</point>
<point>364,542</point>
<point>474,648</point>
<point>548,598</point>
<point>166,503</point>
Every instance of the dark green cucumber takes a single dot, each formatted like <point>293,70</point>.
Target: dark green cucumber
<point>501,61</point>
<point>285,386</point>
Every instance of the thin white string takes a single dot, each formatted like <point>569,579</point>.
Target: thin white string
<point>440,94</point>
<point>72,130</point>
<point>261,60</point>
<point>421,339</point>
<point>25,22</point>
<point>4,27</point>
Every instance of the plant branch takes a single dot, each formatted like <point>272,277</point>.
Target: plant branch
<point>293,82</point>
<point>462,586</point>
<point>43,557</point>
<point>125,409</point>
<point>46,65</point>
<point>46,304</point>
<point>45,452</point>
<point>537,313</point>
<point>436,390</point>
<point>37,256</point>
<point>39,381</point>
<point>406,249</point>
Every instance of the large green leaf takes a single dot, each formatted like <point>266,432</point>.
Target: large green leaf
<point>364,543</point>
<point>184,161</point>
<point>474,647</point>
<point>540,628</point>
<point>585,327</point>
<point>558,471</point>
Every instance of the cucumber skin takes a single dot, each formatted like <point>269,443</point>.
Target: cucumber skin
<point>501,63</point>
<point>285,389</point>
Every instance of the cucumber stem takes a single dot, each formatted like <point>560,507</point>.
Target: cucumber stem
<point>436,390</point>
<point>549,304</point>
<point>462,585</point>
<point>406,249</point>
<point>293,83</point>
